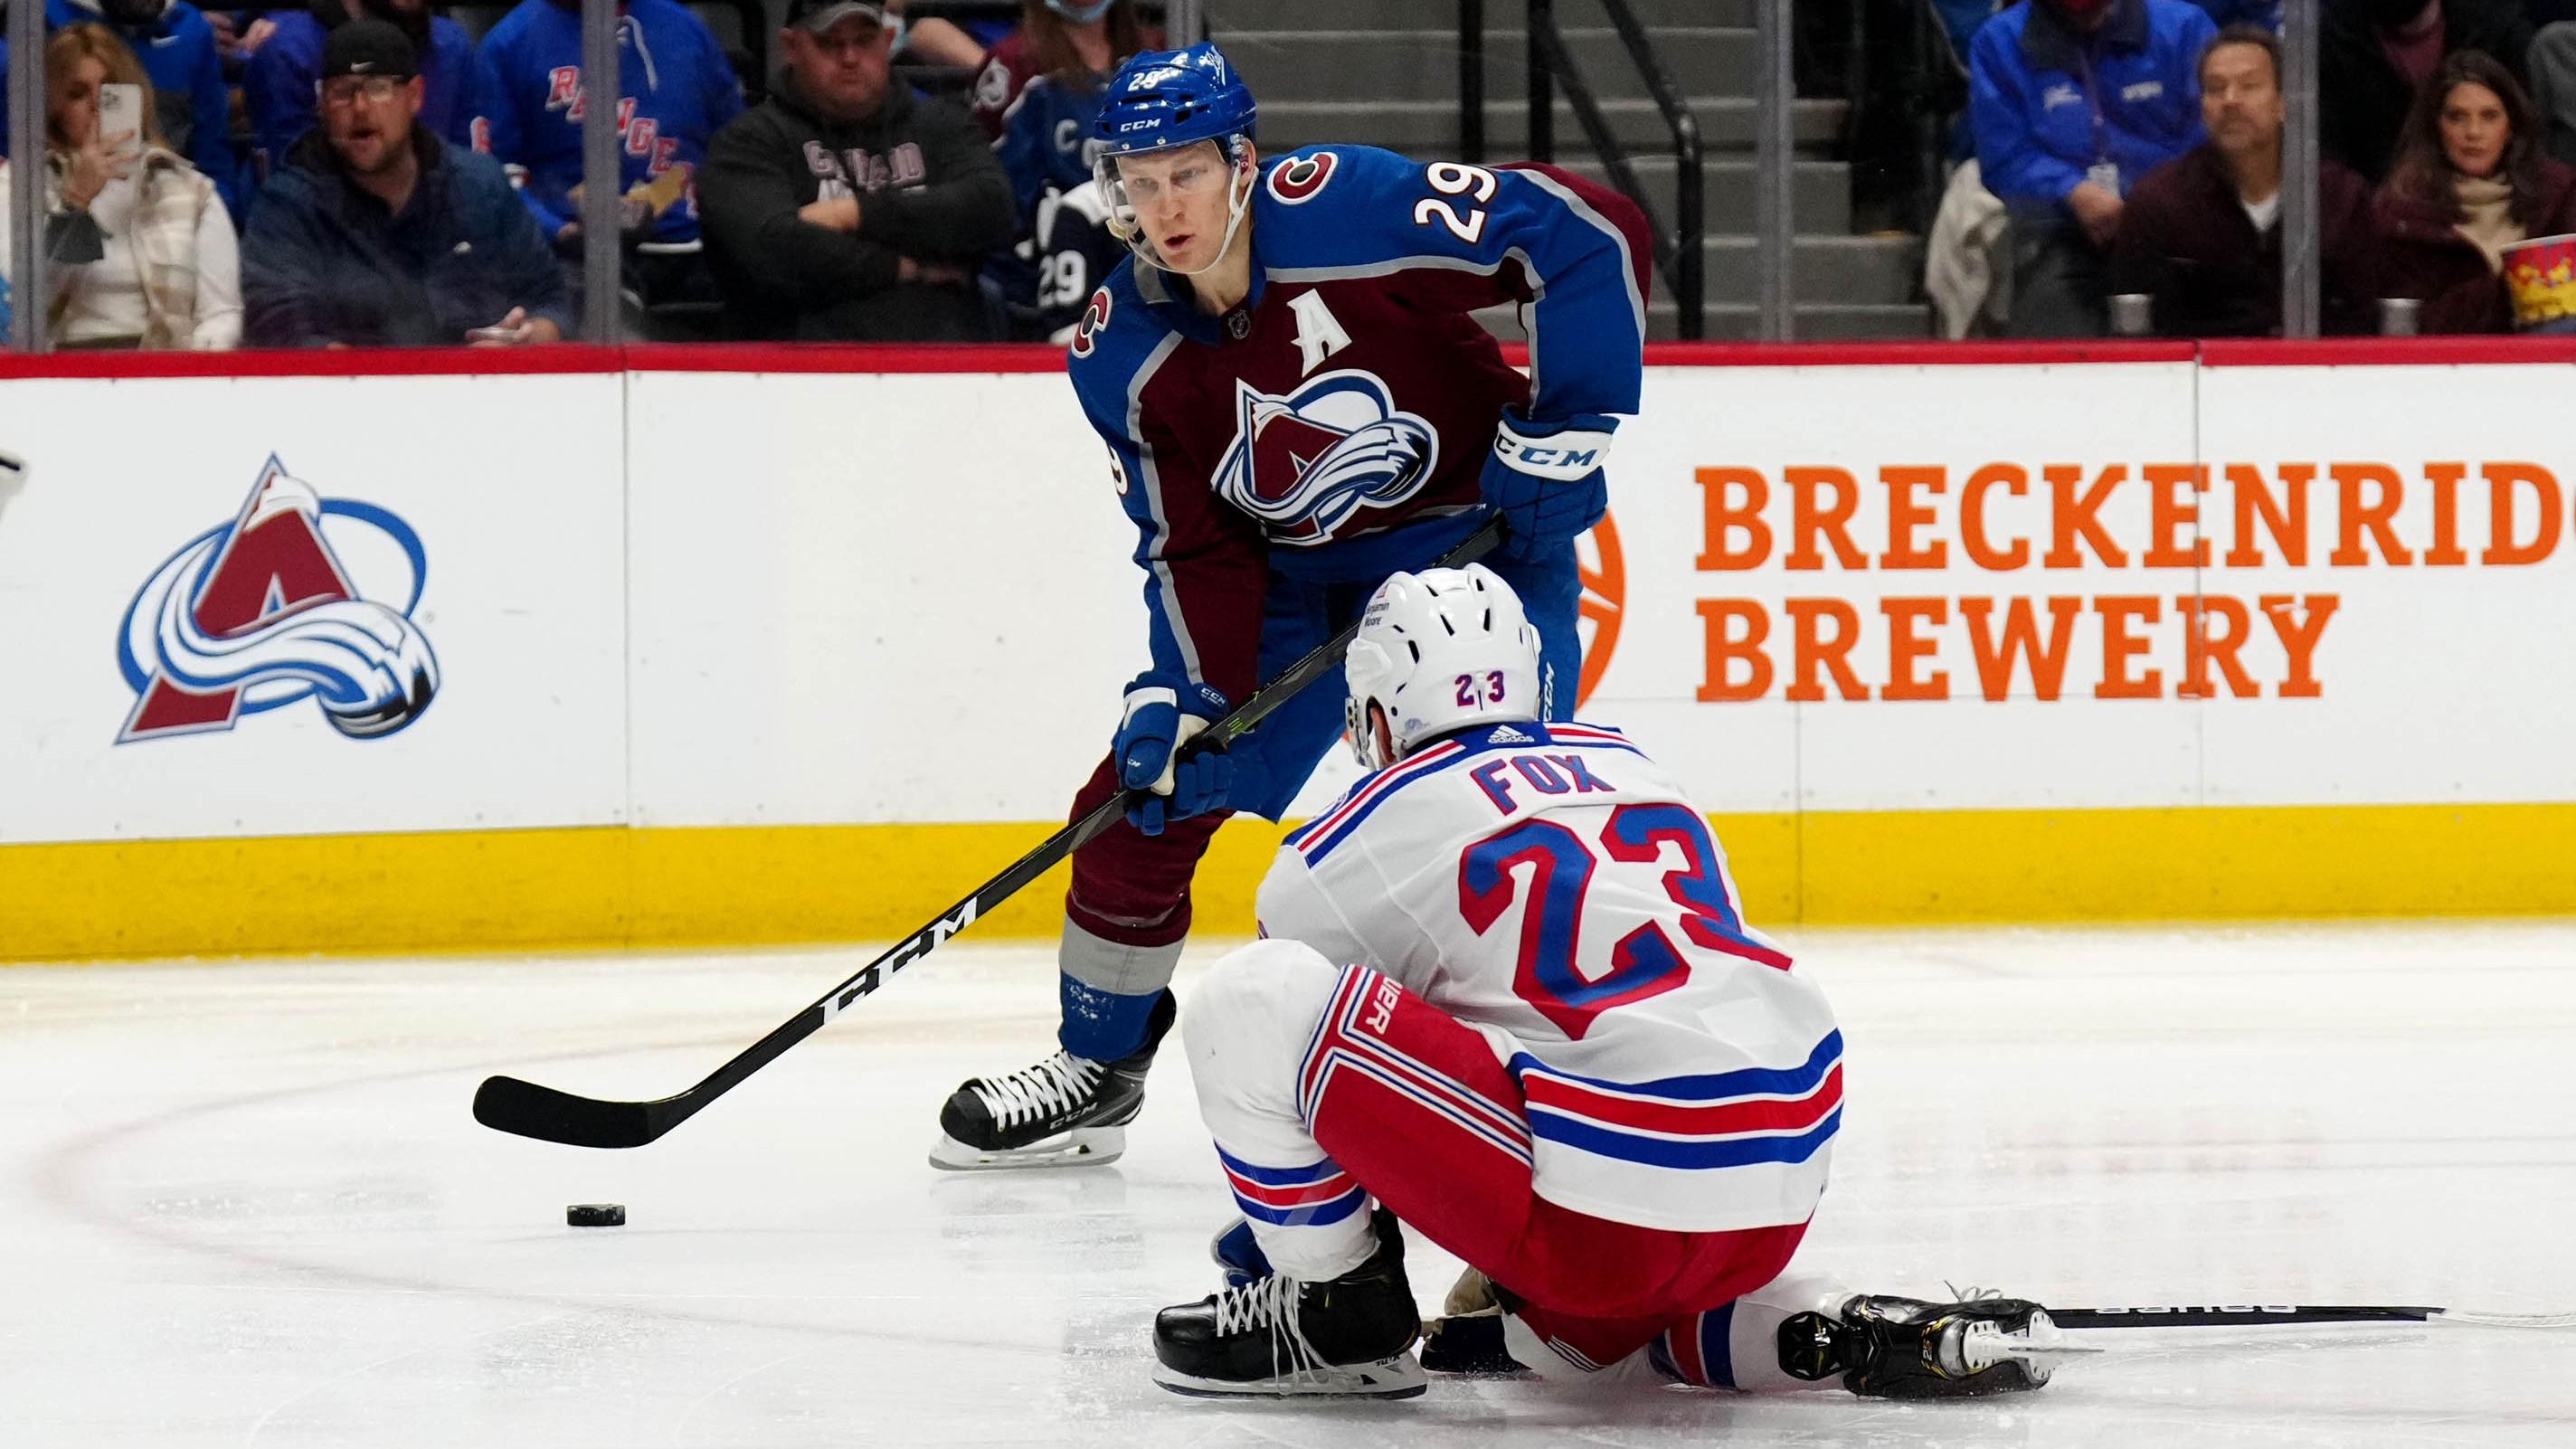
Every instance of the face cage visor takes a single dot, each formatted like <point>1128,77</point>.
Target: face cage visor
<point>1238,174</point>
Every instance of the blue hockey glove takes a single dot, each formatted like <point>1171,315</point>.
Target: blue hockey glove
<point>1545,479</point>
<point>1163,712</point>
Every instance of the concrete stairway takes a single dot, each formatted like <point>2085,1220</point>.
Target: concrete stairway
<point>1385,73</point>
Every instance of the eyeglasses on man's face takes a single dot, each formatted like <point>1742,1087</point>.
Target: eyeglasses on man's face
<point>348,90</point>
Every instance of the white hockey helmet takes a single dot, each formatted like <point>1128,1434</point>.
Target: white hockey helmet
<point>1438,651</point>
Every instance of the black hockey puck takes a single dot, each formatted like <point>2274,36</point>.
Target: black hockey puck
<point>596,1215</point>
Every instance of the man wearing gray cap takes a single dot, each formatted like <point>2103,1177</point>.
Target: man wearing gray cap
<point>845,208</point>
<point>375,233</point>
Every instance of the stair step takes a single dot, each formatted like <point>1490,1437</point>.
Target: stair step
<point>1501,16</point>
<point>1859,270</point>
<point>1370,65</point>
<point>1429,129</point>
<point>1819,191</point>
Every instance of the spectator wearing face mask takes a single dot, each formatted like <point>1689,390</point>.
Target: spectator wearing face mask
<point>2372,55</point>
<point>278,83</point>
<point>178,51</point>
<point>1062,38</point>
<point>2201,235</point>
<point>2072,101</point>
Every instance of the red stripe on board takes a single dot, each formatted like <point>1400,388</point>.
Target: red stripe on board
<point>350,362</point>
<point>990,357</point>
<point>1716,1120</point>
<point>1908,354</point>
<point>2390,352</point>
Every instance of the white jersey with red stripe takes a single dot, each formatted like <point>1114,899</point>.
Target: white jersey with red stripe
<point>1552,887</point>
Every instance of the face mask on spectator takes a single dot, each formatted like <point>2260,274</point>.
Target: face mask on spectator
<point>1080,14</point>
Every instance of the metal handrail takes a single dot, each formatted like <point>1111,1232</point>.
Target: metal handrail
<point>1681,250</point>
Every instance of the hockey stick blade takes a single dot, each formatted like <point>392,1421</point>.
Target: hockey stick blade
<point>2243,1315</point>
<point>525,1109</point>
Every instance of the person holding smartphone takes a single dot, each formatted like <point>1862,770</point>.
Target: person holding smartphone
<point>374,232</point>
<point>139,248</point>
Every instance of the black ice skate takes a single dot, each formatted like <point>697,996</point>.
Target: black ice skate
<point>1280,1337</point>
<point>1904,1348</point>
<point>1066,1111</point>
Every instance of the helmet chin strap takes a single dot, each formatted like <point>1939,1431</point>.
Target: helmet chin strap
<point>1238,205</point>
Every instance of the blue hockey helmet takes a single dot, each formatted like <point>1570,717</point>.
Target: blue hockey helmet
<point>1163,100</point>
<point>1172,98</point>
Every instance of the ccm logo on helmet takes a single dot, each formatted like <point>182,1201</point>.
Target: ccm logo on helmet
<point>1300,177</point>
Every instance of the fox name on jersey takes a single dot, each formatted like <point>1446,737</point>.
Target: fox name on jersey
<point>1551,885</point>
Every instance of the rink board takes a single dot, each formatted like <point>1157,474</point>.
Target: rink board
<point>770,645</point>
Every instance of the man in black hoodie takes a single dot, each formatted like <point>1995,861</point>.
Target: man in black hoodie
<point>845,208</point>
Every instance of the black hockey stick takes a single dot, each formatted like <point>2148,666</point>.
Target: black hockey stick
<point>511,1105</point>
<point>2234,1315</point>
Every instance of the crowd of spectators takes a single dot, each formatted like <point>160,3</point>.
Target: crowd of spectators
<point>366,173</point>
<point>2132,149</point>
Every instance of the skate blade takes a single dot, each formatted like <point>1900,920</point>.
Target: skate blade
<point>1400,1377</point>
<point>1082,1147</point>
<point>2038,1348</point>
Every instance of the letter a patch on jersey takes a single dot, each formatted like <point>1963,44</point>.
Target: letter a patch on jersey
<point>1319,332</point>
<point>1306,462</point>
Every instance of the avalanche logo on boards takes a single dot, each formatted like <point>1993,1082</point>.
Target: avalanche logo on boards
<point>261,612</point>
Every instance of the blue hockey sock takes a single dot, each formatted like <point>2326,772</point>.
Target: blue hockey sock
<point>1103,1025</point>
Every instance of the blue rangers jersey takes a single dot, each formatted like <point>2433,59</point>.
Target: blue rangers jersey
<point>674,88</point>
<point>1334,425</point>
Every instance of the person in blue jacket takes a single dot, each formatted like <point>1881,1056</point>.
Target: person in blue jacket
<point>2072,101</point>
<point>177,48</point>
<point>278,83</point>
<point>373,232</point>
<point>674,90</point>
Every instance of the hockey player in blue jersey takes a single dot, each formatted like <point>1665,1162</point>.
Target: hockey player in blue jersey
<point>1297,403</point>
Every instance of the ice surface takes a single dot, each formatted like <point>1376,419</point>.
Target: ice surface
<point>245,1205</point>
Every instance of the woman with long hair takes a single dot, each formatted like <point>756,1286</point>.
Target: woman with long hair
<point>1077,42</point>
<point>2470,180</point>
<point>139,249</point>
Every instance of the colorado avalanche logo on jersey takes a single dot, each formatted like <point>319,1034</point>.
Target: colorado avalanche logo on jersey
<point>1304,463</point>
<point>261,612</point>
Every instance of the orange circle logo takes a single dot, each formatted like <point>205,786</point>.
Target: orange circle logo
<point>1605,598</point>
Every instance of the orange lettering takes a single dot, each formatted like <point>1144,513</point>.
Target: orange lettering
<point>1972,517</point>
<point>2371,518</point>
<point>2072,515</point>
<point>2120,644</point>
<point>2501,478</point>
<point>2021,636</point>
<point>1906,647</point>
<point>2287,520</point>
<point>1719,520</point>
<point>2300,642</point>
<point>2201,648</point>
<point>1813,649</point>
<point>1718,685</point>
<point>1808,521</point>
<point>1905,516</point>
<point>2445,478</point>
<point>2171,515</point>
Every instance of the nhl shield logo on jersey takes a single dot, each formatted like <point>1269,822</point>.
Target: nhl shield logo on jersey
<point>1304,463</point>
<point>263,611</point>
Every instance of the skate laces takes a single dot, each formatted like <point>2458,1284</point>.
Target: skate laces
<point>1037,1092</point>
<point>1270,1303</point>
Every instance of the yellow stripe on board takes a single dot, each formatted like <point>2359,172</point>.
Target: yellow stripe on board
<point>608,887</point>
